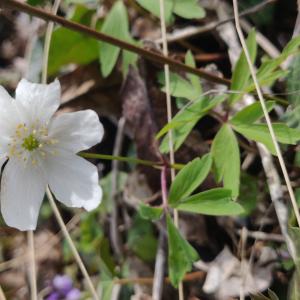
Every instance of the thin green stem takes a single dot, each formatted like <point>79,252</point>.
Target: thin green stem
<point>130,160</point>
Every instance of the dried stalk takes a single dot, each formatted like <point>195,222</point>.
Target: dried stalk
<point>32,268</point>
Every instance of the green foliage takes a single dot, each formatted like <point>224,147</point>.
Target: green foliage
<point>188,87</point>
<point>248,193</point>
<point>251,113</point>
<point>115,24</point>
<point>141,239</point>
<point>260,133</point>
<point>69,46</point>
<point>241,73</point>
<point>269,65</point>
<point>226,157</point>
<point>184,121</point>
<point>106,182</point>
<point>150,213</point>
<point>214,202</point>
<point>181,254</point>
<point>91,233</point>
<point>189,178</point>
<point>188,9</point>
<point>36,2</point>
<point>292,116</point>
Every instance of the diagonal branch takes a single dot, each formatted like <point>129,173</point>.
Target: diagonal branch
<point>147,54</point>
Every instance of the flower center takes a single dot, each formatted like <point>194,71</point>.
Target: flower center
<point>30,143</point>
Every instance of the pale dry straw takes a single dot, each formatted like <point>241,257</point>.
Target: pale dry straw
<point>169,112</point>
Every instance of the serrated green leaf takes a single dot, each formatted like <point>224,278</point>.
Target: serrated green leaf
<point>189,178</point>
<point>115,24</point>
<point>184,121</point>
<point>188,9</point>
<point>214,202</point>
<point>181,254</point>
<point>241,73</point>
<point>270,65</point>
<point>266,80</point>
<point>68,46</point>
<point>150,213</point>
<point>226,157</point>
<point>251,113</point>
<point>260,133</point>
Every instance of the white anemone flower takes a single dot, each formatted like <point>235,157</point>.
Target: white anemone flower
<point>40,150</point>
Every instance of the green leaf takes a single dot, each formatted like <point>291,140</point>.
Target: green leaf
<point>226,157</point>
<point>116,24</point>
<point>248,193</point>
<point>292,116</point>
<point>180,87</point>
<point>267,80</point>
<point>270,65</point>
<point>195,80</point>
<point>260,133</point>
<point>184,121</point>
<point>241,73</point>
<point>129,59</point>
<point>188,9</point>
<point>68,46</point>
<point>150,213</point>
<point>153,7</point>
<point>214,202</point>
<point>251,113</point>
<point>142,240</point>
<point>181,254</point>
<point>189,178</point>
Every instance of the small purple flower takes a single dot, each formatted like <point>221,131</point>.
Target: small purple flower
<point>53,296</point>
<point>62,289</point>
<point>74,294</point>
<point>62,283</point>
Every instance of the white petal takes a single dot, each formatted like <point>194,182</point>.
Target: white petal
<point>37,101</point>
<point>74,181</point>
<point>8,114</point>
<point>76,131</point>
<point>22,192</point>
<point>5,98</point>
